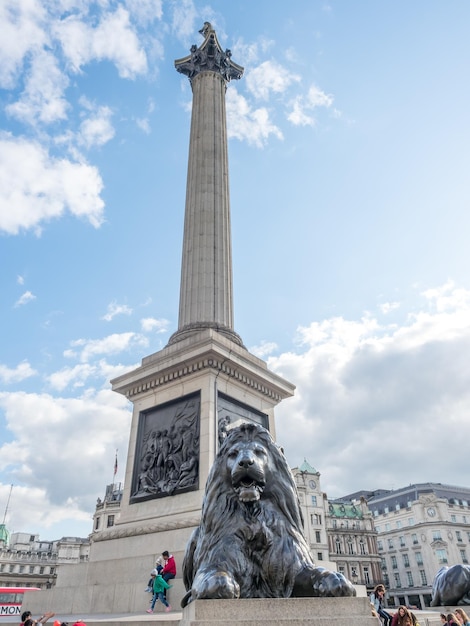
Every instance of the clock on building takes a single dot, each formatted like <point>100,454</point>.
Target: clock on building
<point>431,512</point>
<point>312,484</point>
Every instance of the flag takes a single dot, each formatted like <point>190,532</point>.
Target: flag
<point>115,465</point>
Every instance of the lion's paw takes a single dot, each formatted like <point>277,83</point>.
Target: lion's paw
<point>327,583</point>
<point>214,584</point>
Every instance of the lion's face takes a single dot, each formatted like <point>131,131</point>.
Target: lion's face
<point>247,464</point>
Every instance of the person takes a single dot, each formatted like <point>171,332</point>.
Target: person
<point>452,620</point>
<point>443,618</point>
<point>169,568</point>
<point>401,616</point>
<point>376,597</point>
<point>462,617</point>
<point>27,619</point>
<point>149,588</point>
<point>159,565</point>
<point>159,587</point>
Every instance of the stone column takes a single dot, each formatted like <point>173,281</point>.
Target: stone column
<point>206,292</point>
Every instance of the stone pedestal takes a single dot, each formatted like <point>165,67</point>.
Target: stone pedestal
<point>280,611</point>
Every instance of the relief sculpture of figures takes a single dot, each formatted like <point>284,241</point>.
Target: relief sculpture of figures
<point>169,457</point>
<point>250,542</point>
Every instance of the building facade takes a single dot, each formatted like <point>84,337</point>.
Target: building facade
<point>107,510</point>
<point>339,532</point>
<point>420,528</point>
<point>26,561</point>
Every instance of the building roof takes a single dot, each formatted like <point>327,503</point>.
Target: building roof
<point>400,498</point>
<point>344,510</point>
<point>306,467</point>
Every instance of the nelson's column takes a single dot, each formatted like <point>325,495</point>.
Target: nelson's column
<point>202,383</point>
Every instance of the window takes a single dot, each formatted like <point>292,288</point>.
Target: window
<point>390,544</point>
<point>31,569</point>
<point>410,579</point>
<point>110,520</point>
<point>411,521</point>
<point>463,556</point>
<point>419,558</point>
<point>464,519</point>
<point>424,580</point>
<point>397,507</point>
<point>387,527</point>
<point>350,546</point>
<point>394,562</point>
<point>402,541</point>
<point>396,576</point>
<point>97,523</point>
<point>41,570</point>
<point>414,538</point>
<point>362,546</point>
<point>320,556</point>
<point>398,524</point>
<point>436,535</point>
<point>12,568</point>
<point>408,504</point>
<point>458,534</point>
<point>21,569</point>
<point>468,535</point>
<point>314,500</point>
<point>406,560</point>
<point>453,518</point>
<point>383,563</point>
<point>366,574</point>
<point>51,571</point>
<point>385,510</point>
<point>380,544</point>
<point>377,529</point>
<point>318,536</point>
<point>337,545</point>
<point>335,523</point>
<point>317,519</point>
<point>441,555</point>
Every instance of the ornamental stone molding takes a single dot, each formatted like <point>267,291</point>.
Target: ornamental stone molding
<point>209,57</point>
<point>120,533</point>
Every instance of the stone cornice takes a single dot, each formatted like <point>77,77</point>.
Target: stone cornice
<point>133,531</point>
<point>207,352</point>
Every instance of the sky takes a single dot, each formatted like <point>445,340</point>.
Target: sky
<point>349,140</point>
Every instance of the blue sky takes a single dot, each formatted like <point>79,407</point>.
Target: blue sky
<point>349,162</point>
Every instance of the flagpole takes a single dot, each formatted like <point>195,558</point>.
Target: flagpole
<point>115,468</point>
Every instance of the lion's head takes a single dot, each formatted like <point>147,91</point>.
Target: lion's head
<point>251,522</point>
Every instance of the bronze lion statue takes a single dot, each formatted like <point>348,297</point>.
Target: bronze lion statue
<point>250,542</point>
<point>451,586</point>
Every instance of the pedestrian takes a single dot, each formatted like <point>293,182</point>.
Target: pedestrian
<point>452,620</point>
<point>462,617</point>
<point>377,597</point>
<point>159,587</point>
<point>27,620</point>
<point>169,567</point>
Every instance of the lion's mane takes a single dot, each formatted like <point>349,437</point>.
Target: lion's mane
<point>260,543</point>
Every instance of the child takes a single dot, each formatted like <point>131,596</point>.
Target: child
<point>159,586</point>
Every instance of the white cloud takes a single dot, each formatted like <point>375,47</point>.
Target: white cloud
<point>22,31</point>
<point>25,298</point>
<point>113,39</point>
<point>184,19</point>
<point>150,324</point>
<point>96,129</point>
<point>43,97</point>
<point>371,397</point>
<point>144,124</point>
<point>302,106</point>
<point>116,309</point>
<point>87,349</point>
<point>17,374</point>
<point>247,124</point>
<point>64,471</point>
<point>145,11</point>
<point>41,187</point>
<point>269,77</point>
<point>264,349</point>
<point>20,280</point>
<point>386,307</point>
<point>77,375</point>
